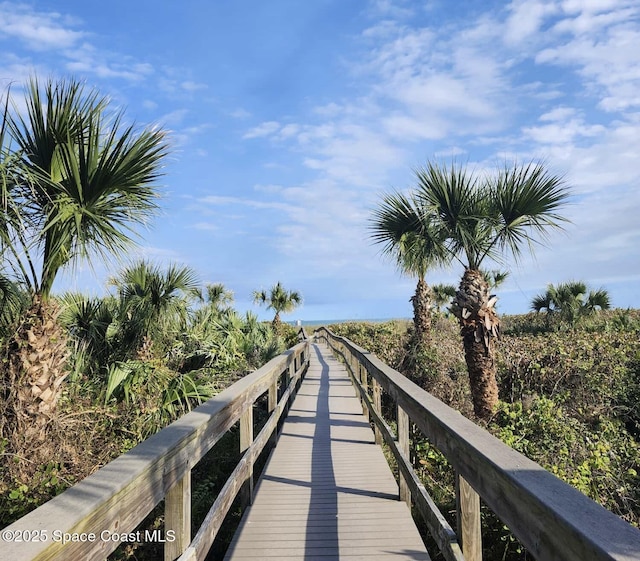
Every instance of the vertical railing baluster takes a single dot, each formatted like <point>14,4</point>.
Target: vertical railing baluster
<point>468,515</point>
<point>291,375</point>
<point>365,387</point>
<point>403,445</point>
<point>246,438</point>
<point>177,517</point>
<point>272,403</point>
<point>286,380</point>
<point>377,407</point>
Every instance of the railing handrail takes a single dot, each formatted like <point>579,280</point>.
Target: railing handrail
<point>553,520</point>
<point>120,495</point>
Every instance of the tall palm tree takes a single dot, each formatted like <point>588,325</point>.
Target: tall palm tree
<point>86,183</point>
<point>279,300</point>
<point>484,219</point>
<point>408,234</point>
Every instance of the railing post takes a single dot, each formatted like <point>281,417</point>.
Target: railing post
<point>177,517</point>
<point>246,438</point>
<point>403,445</point>
<point>377,407</point>
<point>468,516</point>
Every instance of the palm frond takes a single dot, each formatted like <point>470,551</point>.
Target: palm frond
<point>458,199</point>
<point>92,178</point>
<point>526,200</point>
<point>408,233</point>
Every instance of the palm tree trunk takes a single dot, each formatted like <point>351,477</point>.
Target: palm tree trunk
<point>35,370</point>
<point>145,350</point>
<point>479,327</point>
<point>277,324</point>
<point>421,301</point>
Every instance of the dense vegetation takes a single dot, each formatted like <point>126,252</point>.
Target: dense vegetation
<point>137,360</point>
<point>568,400</point>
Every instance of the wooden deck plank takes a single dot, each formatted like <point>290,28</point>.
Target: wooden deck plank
<point>327,492</point>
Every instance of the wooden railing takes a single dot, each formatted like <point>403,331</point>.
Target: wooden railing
<point>92,518</point>
<point>551,519</point>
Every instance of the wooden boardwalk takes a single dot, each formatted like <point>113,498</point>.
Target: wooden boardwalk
<point>327,492</point>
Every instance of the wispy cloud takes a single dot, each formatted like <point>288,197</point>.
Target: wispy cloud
<point>224,200</point>
<point>263,129</point>
<point>89,60</point>
<point>39,31</point>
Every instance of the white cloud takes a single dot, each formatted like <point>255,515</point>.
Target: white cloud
<point>558,114</point>
<point>191,86</point>
<point>51,33</point>
<point>268,188</point>
<point>563,131</point>
<point>527,18</point>
<point>399,9</point>
<point>206,226</point>
<point>149,104</point>
<point>174,118</point>
<point>219,200</point>
<point>240,113</point>
<point>606,58</point>
<point>289,130</point>
<point>40,31</point>
<point>264,129</point>
<point>108,70</point>
<point>450,152</point>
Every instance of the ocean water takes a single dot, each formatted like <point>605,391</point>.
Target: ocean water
<point>332,321</point>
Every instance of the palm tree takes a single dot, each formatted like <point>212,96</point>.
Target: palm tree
<point>91,323</point>
<point>218,296</point>
<point>485,218</point>
<point>279,300</point>
<point>495,277</point>
<point>153,301</point>
<point>442,295</point>
<point>570,301</point>
<point>597,300</point>
<point>406,231</point>
<point>85,182</point>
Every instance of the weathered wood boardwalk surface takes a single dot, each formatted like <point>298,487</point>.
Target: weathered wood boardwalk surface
<point>327,492</point>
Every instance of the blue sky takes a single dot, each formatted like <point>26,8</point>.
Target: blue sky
<point>289,119</point>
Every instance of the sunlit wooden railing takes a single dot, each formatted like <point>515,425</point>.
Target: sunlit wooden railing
<point>90,520</point>
<point>551,519</point>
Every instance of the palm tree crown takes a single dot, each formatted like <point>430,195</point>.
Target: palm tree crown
<point>278,299</point>
<point>151,294</point>
<point>571,300</point>
<point>407,232</point>
<point>88,180</point>
<point>486,217</point>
